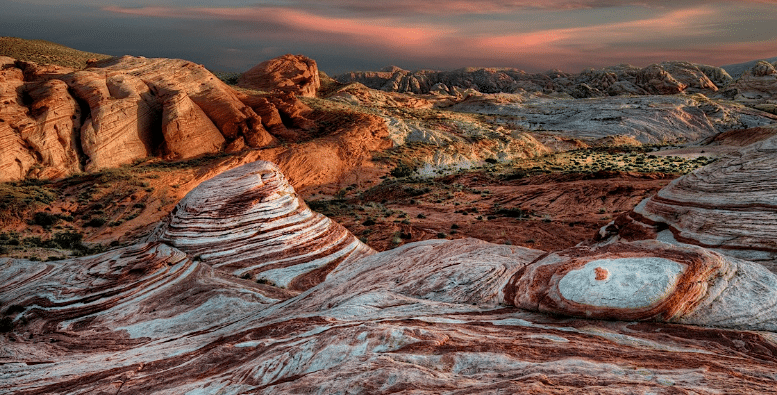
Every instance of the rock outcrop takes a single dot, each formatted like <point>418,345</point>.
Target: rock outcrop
<point>56,122</point>
<point>647,119</point>
<point>663,78</point>
<point>250,222</point>
<point>423,317</point>
<point>649,280</point>
<point>757,85</point>
<point>288,73</point>
<point>728,205</point>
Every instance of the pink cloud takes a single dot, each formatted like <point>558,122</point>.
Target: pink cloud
<point>447,44</point>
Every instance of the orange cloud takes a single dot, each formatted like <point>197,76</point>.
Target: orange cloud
<point>446,43</point>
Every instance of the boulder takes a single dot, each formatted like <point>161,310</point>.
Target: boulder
<point>288,73</point>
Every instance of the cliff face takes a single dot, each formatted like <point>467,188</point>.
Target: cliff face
<point>57,122</point>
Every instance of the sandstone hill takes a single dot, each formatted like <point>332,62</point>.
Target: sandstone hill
<point>288,73</point>
<point>437,316</point>
<point>736,70</point>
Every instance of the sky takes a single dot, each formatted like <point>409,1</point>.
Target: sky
<point>350,35</point>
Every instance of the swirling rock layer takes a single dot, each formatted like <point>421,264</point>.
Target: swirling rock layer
<point>729,205</point>
<point>649,280</point>
<point>424,317</point>
<point>249,221</point>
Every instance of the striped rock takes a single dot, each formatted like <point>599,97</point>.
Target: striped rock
<point>425,317</point>
<point>729,206</point>
<point>649,280</point>
<point>250,222</point>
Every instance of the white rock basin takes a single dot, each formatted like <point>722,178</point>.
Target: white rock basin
<point>624,283</point>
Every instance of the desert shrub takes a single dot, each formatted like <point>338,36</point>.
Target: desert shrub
<point>265,281</point>
<point>402,170</point>
<point>96,222</point>
<point>45,219</point>
<point>513,213</point>
<point>68,240</point>
<point>368,222</point>
<point>16,199</point>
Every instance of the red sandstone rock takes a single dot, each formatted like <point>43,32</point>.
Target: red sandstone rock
<point>288,73</point>
<point>123,116</point>
<point>131,108</point>
<point>188,132</point>
<point>213,96</point>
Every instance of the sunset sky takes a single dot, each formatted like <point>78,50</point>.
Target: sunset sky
<point>345,35</point>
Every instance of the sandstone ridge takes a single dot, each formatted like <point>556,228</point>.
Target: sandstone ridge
<point>56,121</point>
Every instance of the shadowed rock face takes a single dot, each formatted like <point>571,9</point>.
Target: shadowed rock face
<point>728,205</point>
<point>249,221</point>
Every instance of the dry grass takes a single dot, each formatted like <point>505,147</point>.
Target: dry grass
<point>46,52</point>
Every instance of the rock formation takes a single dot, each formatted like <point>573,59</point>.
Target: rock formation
<point>647,119</point>
<point>664,78</point>
<point>422,317</point>
<point>728,205</point>
<point>57,122</point>
<point>249,221</point>
<point>649,280</point>
<point>288,73</point>
<point>757,85</point>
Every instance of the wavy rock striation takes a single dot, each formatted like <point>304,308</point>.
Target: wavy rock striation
<point>434,316</point>
<point>250,222</point>
<point>422,317</point>
<point>649,280</point>
<point>728,205</point>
